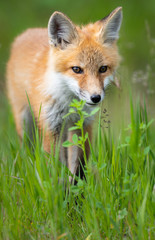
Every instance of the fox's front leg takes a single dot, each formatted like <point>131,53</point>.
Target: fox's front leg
<point>75,154</point>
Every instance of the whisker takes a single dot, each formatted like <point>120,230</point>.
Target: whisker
<point>82,94</point>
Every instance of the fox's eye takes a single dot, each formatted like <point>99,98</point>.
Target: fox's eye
<point>103,69</point>
<point>77,69</point>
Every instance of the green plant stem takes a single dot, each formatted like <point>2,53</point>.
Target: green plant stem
<point>83,144</point>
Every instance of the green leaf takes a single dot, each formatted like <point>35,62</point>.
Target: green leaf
<point>79,123</point>
<point>80,183</point>
<point>67,144</point>
<point>149,123</point>
<point>74,189</point>
<point>74,128</point>
<point>75,138</point>
<point>94,111</point>
<point>122,213</point>
<point>85,113</point>
<point>75,101</point>
<point>72,110</point>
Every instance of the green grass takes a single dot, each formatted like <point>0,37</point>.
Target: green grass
<point>116,202</point>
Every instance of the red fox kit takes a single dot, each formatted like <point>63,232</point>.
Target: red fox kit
<point>55,65</point>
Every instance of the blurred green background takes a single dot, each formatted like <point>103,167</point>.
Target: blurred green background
<point>136,43</point>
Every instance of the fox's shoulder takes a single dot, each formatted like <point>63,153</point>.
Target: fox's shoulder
<point>32,35</point>
<point>32,38</point>
<point>30,48</point>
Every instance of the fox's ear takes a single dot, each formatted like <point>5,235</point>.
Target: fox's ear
<point>111,26</point>
<point>61,30</point>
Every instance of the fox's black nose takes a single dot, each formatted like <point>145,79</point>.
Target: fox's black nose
<point>95,98</point>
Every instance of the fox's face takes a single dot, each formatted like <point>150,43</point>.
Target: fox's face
<point>85,59</point>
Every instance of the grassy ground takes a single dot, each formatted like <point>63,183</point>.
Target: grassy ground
<point>115,202</point>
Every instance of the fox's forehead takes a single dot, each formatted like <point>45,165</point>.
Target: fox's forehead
<point>93,54</point>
